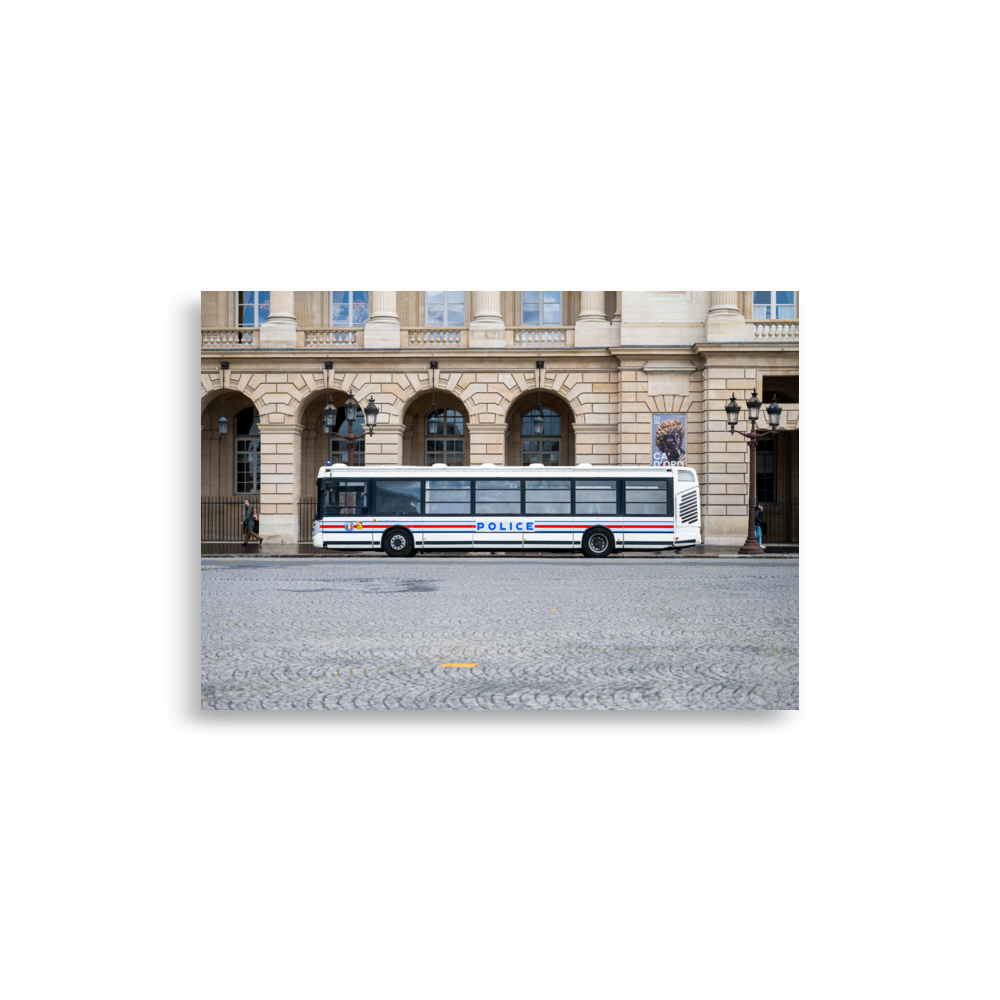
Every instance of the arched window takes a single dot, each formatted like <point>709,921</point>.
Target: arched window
<point>247,451</point>
<point>541,308</point>
<point>348,308</point>
<point>338,446</point>
<point>445,437</point>
<point>253,308</point>
<point>774,305</point>
<point>543,447</point>
<point>445,308</point>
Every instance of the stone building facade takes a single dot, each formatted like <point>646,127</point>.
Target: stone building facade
<point>609,362</point>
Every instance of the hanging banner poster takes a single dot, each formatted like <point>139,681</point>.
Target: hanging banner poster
<point>669,438</point>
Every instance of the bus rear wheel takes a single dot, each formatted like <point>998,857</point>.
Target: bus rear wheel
<point>597,543</point>
<point>398,543</point>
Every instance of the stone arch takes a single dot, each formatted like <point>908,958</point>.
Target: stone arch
<point>413,416</point>
<point>529,400</point>
<point>390,391</point>
<point>218,454</point>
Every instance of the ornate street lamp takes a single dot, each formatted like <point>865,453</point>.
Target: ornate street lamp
<point>774,413</point>
<point>371,413</point>
<point>329,417</point>
<point>750,546</point>
<point>539,424</point>
<point>732,412</point>
<point>351,410</point>
<point>223,422</point>
<point>432,423</point>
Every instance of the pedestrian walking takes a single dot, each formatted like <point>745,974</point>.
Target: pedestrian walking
<point>758,524</point>
<point>249,519</point>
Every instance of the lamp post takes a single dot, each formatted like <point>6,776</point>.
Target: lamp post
<point>750,546</point>
<point>351,408</point>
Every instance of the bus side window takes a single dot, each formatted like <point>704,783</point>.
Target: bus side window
<point>345,498</point>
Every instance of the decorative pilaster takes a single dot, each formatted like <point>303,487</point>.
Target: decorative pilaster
<point>280,462</point>
<point>486,443</point>
<point>385,446</point>
<point>279,329</point>
<point>724,323</point>
<point>487,326</point>
<point>592,326</point>
<point>382,330</point>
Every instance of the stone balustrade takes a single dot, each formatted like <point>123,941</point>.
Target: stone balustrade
<point>541,336</point>
<point>335,337</point>
<point>773,331</point>
<point>231,336</point>
<point>436,336</point>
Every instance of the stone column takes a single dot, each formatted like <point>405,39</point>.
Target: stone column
<point>592,326</point>
<point>486,442</point>
<point>279,330</point>
<point>725,304</point>
<point>724,323</point>
<point>487,326</point>
<point>382,330</point>
<point>280,461</point>
<point>385,446</point>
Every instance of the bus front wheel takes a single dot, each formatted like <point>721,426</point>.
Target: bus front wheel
<point>597,543</point>
<point>398,543</point>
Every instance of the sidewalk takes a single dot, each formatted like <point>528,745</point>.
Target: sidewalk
<point>305,550</point>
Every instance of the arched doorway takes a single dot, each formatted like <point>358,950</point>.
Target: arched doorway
<point>230,463</point>
<point>540,430</point>
<point>437,430</point>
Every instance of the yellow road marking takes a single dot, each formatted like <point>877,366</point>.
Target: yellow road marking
<point>459,664</point>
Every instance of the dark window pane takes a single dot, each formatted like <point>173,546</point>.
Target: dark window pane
<point>498,484</point>
<point>784,298</point>
<point>547,484</point>
<point>596,496</point>
<point>400,496</point>
<point>596,508</point>
<point>343,498</point>
<point>339,298</point>
<point>646,509</point>
<point>537,496</point>
<point>646,484</point>
<point>761,298</point>
<point>263,306</point>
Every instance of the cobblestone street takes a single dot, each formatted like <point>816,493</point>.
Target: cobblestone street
<point>547,633</point>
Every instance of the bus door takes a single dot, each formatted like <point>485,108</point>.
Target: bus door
<point>346,510</point>
<point>499,523</point>
<point>448,520</point>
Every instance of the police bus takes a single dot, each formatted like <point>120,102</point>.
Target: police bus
<point>583,508</point>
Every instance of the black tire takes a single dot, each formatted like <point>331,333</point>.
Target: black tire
<point>598,543</point>
<point>397,542</point>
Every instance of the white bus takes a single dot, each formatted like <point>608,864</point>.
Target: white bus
<point>594,510</point>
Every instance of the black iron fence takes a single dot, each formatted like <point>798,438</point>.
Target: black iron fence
<point>307,513</point>
<point>781,520</point>
<point>222,518</point>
